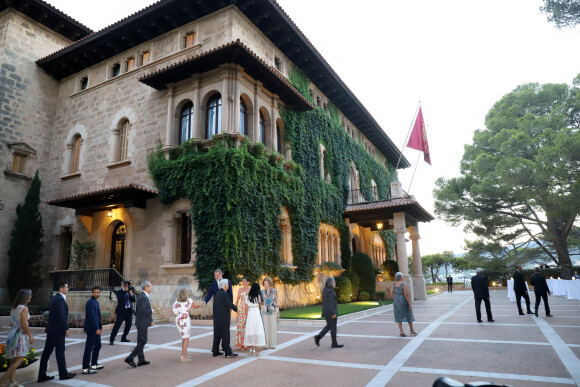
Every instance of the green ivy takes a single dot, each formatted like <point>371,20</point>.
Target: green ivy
<point>237,194</point>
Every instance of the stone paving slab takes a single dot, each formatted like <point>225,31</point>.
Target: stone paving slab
<point>515,350</point>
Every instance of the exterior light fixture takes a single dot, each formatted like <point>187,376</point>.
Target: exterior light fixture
<point>380,226</point>
<point>109,214</point>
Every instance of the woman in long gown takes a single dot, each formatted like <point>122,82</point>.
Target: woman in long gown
<point>402,305</point>
<point>182,320</point>
<point>254,336</point>
<point>19,338</point>
<point>242,313</point>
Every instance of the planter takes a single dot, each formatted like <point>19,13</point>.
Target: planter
<point>29,373</point>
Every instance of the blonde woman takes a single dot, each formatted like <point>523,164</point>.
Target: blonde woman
<point>242,313</point>
<point>182,320</point>
<point>270,312</point>
<point>19,339</point>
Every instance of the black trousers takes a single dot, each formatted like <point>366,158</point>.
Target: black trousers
<point>519,296</point>
<point>141,341</point>
<point>53,342</point>
<point>92,347</point>
<point>126,317</point>
<point>221,333</point>
<point>330,326</point>
<point>539,297</point>
<point>450,288</point>
<point>487,308</point>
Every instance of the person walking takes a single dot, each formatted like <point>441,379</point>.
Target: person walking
<point>56,331</point>
<point>402,306</point>
<point>93,329</point>
<point>479,285</point>
<point>270,312</point>
<point>521,290</point>
<point>222,305</point>
<point>254,336</point>
<point>541,290</point>
<point>124,312</point>
<point>19,338</point>
<point>329,312</point>
<point>241,304</point>
<point>143,320</point>
<point>181,308</point>
<point>449,284</point>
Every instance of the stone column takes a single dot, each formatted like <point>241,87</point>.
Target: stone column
<point>400,229</point>
<point>419,287</point>
<point>319,247</point>
<point>331,247</point>
<point>271,140</point>
<point>227,102</point>
<point>169,132</point>
<point>236,114</point>
<point>337,249</point>
<point>198,110</point>
<point>256,132</point>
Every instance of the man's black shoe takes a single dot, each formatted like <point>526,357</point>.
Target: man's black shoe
<point>536,313</point>
<point>125,341</point>
<point>232,355</point>
<point>88,371</point>
<point>143,362</point>
<point>97,367</point>
<point>131,362</point>
<point>549,315</point>
<point>522,314</point>
<point>492,320</point>
<point>479,321</point>
<point>337,345</point>
<point>218,354</point>
<point>112,342</point>
<point>530,312</point>
<point>68,376</point>
<point>44,378</point>
<point>317,340</point>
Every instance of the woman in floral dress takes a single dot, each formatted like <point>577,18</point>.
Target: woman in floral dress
<point>19,339</point>
<point>402,305</point>
<point>183,321</point>
<point>242,313</point>
<point>270,312</point>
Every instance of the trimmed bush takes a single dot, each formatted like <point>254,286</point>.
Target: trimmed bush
<point>354,282</point>
<point>390,268</point>
<point>328,267</point>
<point>364,296</point>
<point>343,290</point>
<point>363,266</point>
<point>379,296</point>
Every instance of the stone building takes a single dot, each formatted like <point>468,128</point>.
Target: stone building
<point>86,108</point>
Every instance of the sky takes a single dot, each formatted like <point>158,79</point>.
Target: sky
<point>454,57</point>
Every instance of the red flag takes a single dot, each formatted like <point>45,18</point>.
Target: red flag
<point>418,138</point>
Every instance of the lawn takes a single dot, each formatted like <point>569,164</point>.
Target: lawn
<point>313,312</point>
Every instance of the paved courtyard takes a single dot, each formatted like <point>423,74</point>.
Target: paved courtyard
<point>514,350</point>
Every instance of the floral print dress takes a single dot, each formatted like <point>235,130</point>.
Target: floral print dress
<point>17,344</point>
<point>242,316</point>
<point>182,319</point>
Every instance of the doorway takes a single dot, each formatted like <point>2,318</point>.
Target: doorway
<point>118,247</point>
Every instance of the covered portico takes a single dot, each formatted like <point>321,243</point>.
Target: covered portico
<point>401,213</point>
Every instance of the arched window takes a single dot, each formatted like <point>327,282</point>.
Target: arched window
<point>186,123</point>
<point>243,118</point>
<point>262,133</point>
<point>214,115</point>
<point>76,154</point>
<point>278,139</point>
<point>124,141</point>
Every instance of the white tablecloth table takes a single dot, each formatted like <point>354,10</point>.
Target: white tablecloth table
<point>510,289</point>
<point>566,288</point>
<point>573,289</point>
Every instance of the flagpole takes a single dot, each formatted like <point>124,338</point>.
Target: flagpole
<point>415,170</point>
<point>407,138</point>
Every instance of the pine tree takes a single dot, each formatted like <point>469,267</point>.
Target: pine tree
<point>25,253</point>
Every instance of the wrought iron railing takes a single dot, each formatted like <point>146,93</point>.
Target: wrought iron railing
<point>84,280</point>
<point>368,194</point>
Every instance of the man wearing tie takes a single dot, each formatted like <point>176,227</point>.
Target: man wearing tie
<point>143,320</point>
<point>56,331</point>
<point>541,290</point>
<point>479,285</point>
<point>93,329</point>
<point>124,312</point>
<point>521,290</point>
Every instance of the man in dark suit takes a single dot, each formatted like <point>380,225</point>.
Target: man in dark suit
<point>329,312</point>
<point>124,312</point>
<point>56,331</point>
<point>143,320</point>
<point>93,328</point>
<point>449,284</point>
<point>479,285</point>
<point>214,288</point>
<point>222,304</point>
<point>541,290</point>
<point>521,290</point>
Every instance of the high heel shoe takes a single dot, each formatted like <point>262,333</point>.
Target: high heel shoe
<point>414,333</point>
<point>403,335</point>
<point>185,359</point>
<point>251,351</point>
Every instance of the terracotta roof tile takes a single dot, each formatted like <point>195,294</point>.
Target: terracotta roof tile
<point>104,191</point>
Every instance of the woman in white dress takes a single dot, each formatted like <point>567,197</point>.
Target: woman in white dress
<point>183,321</point>
<point>254,336</point>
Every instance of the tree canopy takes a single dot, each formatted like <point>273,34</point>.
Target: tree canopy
<point>564,13</point>
<point>519,178</point>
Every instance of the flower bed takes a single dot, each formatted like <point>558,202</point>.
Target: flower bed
<point>29,359</point>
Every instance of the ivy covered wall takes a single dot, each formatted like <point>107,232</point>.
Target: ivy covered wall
<point>237,194</point>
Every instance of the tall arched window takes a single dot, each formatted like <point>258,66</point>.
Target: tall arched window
<point>278,139</point>
<point>186,123</point>
<point>262,129</point>
<point>124,140</point>
<point>243,118</point>
<point>214,115</point>
<point>76,153</point>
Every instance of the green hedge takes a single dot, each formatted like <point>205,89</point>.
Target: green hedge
<point>364,296</point>
<point>343,290</point>
<point>390,268</point>
<point>354,281</point>
<point>363,266</point>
